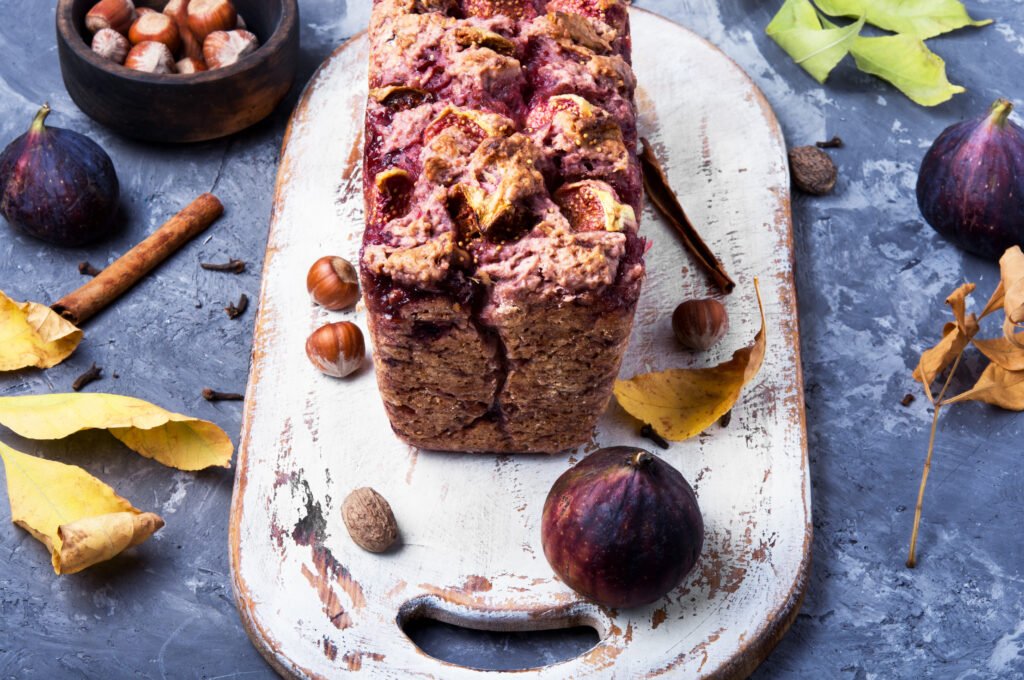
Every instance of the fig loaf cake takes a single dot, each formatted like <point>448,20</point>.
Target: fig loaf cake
<point>501,263</point>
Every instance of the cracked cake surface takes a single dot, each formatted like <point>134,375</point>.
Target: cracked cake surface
<point>501,262</point>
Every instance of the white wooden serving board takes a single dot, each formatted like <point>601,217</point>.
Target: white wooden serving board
<point>317,606</point>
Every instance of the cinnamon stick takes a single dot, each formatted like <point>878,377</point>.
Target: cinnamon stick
<point>82,304</point>
<point>665,200</point>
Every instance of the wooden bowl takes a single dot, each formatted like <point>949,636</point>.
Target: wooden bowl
<point>182,108</point>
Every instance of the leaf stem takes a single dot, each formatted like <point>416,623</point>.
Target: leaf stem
<point>912,554</point>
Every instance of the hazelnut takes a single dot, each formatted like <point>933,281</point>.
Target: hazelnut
<point>207,16</point>
<point>155,27</point>
<point>699,324</point>
<point>150,57</point>
<point>369,520</point>
<point>223,48</point>
<point>240,22</point>
<point>141,11</point>
<point>111,45</point>
<point>188,65</point>
<point>116,14</point>
<point>332,282</point>
<point>178,11</point>
<point>336,349</point>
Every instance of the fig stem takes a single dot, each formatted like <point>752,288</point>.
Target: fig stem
<point>37,122</point>
<point>912,555</point>
<point>1000,112</point>
<point>641,458</point>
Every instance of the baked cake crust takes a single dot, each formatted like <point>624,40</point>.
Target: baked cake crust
<point>501,263</point>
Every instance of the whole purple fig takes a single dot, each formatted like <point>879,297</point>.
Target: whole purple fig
<point>971,184</point>
<point>58,185</point>
<point>622,527</point>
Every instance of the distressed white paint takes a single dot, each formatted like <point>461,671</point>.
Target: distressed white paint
<point>472,520</point>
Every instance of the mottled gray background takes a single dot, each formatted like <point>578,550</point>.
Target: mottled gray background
<point>871,277</point>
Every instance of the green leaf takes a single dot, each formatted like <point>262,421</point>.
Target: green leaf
<point>906,62</point>
<point>920,18</point>
<point>798,30</point>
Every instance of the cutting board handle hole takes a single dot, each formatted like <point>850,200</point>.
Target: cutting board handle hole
<point>490,640</point>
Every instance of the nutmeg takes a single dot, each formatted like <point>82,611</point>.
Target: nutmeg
<point>332,282</point>
<point>207,16</point>
<point>223,48</point>
<point>111,45</point>
<point>369,520</point>
<point>150,57</point>
<point>116,14</point>
<point>157,28</point>
<point>813,170</point>
<point>699,324</point>
<point>336,349</point>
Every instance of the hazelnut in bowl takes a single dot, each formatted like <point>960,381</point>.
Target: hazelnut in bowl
<point>178,71</point>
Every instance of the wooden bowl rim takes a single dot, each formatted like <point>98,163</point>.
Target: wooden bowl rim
<point>278,40</point>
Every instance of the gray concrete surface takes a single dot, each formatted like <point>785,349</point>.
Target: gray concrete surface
<point>871,277</point>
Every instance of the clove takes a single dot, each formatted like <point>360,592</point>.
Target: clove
<point>647,432</point>
<point>94,373</point>
<point>237,309</point>
<point>214,395</point>
<point>725,419</point>
<point>835,143</point>
<point>86,269</point>
<point>232,266</point>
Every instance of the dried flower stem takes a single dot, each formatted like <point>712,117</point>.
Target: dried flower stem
<point>912,554</point>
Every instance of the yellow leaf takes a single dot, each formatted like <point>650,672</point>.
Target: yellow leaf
<point>97,539</point>
<point>998,387</point>
<point>907,63</point>
<point>170,438</point>
<point>76,516</point>
<point>33,335</point>
<point>798,30</point>
<point>920,18</point>
<point>955,337</point>
<point>680,403</point>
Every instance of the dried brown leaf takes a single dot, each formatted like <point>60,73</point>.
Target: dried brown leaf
<point>996,386</point>
<point>1001,351</point>
<point>955,337</point>
<point>1011,269</point>
<point>995,302</point>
